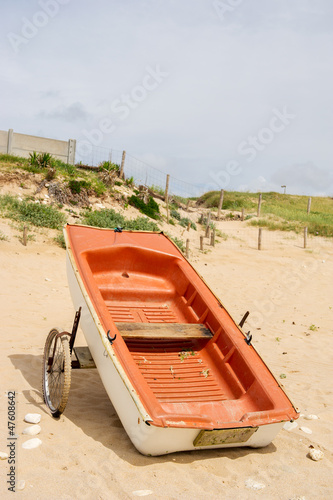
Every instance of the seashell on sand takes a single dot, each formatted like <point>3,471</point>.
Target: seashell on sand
<point>316,455</point>
<point>254,485</point>
<point>289,426</point>
<point>32,430</point>
<point>306,430</point>
<point>32,418</point>
<point>31,443</point>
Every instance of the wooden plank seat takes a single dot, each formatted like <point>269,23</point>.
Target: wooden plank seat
<point>164,330</point>
<point>84,358</point>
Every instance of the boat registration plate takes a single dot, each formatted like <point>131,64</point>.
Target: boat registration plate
<point>224,436</point>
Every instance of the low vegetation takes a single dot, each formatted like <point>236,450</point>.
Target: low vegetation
<point>232,200</point>
<point>67,184</point>
<point>75,185</point>
<point>51,168</point>
<point>3,237</point>
<point>108,218</point>
<point>183,221</point>
<point>151,208</point>
<point>178,242</point>
<point>28,211</point>
<point>278,211</point>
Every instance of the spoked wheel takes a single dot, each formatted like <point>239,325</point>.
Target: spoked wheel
<point>56,372</point>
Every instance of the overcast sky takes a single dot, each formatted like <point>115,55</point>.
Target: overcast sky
<point>224,94</point>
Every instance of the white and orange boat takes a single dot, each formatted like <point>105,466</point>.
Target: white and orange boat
<point>179,371</point>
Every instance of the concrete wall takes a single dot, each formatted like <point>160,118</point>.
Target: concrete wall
<point>3,141</point>
<point>21,145</point>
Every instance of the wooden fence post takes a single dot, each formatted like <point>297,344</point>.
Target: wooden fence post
<point>121,173</point>
<point>220,204</point>
<point>309,205</point>
<point>187,248</point>
<point>259,204</point>
<point>212,238</point>
<point>189,226</point>
<point>243,213</point>
<point>208,225</point>
<point>305,236</point>
<point>25,230</point>
<point>201,242</point>
<point>166,195</point>
<point>259,238</point>
<point>188,205</point>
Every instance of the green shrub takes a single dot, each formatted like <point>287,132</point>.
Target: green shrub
<point>179,243</point>
<point>45,160</point>
<point>60,240</point>
<point>40,160</point>
<point>176,215</point>
<point>151,208</point>
<point>65,168</point>
<point>76,186</point>
<point>36,214</point>
<point>141,224</point>
<point>33,159</point>
<point>129,181</point>
<point>108,165</point>
<point>185,221</point>
<point>99,187</point>
<point>40,215</point>
<point>108,218</point>
<point>103,218</point>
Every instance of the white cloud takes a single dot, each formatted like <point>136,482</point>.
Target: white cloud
<point>224,80</point>
<point>302,178</point>
<point>72,113</point>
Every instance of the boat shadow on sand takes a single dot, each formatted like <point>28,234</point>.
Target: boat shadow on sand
<point>90,409</point>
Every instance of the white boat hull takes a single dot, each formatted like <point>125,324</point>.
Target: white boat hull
<point>147,438</point>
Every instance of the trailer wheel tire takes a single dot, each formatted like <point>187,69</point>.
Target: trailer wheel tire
<point>56,372</point>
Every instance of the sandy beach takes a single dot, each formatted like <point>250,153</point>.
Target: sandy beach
<point>86,454</point>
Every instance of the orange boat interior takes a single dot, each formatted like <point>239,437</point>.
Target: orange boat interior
<point>182,352</point>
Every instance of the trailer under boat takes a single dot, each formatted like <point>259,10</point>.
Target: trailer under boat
<point>178,370</point>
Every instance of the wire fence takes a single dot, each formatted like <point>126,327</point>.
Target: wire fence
<point>248,238</point>
<point>96,155</point>
<point>141,172</point>
<point>230,237</point>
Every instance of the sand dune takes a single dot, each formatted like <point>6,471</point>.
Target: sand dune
<point>86,454</point>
